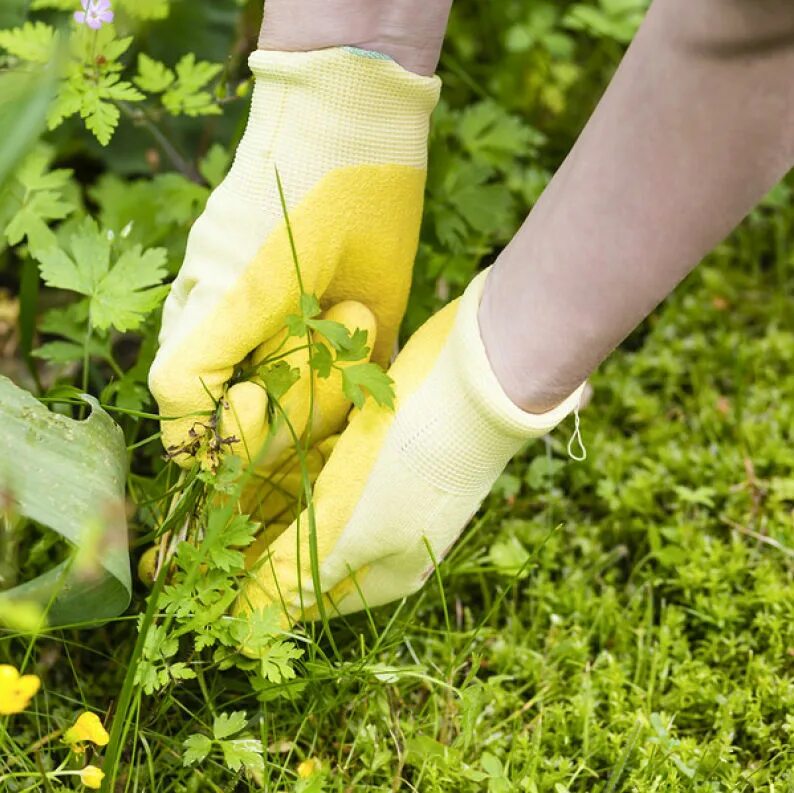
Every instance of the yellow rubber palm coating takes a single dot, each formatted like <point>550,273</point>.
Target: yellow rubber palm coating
<point>245,416</point>
<point>399,482</point>
<point>348,135</point>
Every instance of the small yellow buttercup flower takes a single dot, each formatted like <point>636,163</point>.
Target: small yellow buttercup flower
<point>89,728</point>
<point>92,777</point>
<point>16,690</point>
<point>308,767</point>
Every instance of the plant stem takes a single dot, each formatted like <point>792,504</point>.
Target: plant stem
<point>183,165</point>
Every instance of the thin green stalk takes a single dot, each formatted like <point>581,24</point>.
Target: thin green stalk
<point>313,552</point>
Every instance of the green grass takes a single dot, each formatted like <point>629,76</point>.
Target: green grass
<point>626,623</point>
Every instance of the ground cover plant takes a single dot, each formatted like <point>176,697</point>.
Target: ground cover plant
<point>622,623</point>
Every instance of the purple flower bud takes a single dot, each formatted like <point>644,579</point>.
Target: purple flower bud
<point>95,13</point>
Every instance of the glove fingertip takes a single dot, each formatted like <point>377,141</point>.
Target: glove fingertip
<point>244,420</point>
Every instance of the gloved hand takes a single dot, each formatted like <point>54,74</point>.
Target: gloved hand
<point>347,131</point>
<point>398,482</point>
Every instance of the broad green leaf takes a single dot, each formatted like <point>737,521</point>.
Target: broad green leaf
<point>120,295</point>
<point>24,101</point>
<point>69,476</point>
<point>197,747</point>
<point>228,724</point>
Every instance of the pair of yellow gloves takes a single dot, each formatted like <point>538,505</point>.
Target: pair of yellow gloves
<point>346,132</point>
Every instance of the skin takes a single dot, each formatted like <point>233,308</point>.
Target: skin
<point>693,130</point>
<point>410,31</point>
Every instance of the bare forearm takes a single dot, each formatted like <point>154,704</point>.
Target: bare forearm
<point>694,129</point>
<point>410,31</point>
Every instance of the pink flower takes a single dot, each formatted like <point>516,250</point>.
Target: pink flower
<point>95,13</point>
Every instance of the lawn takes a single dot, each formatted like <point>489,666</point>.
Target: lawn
<point>620,623</point>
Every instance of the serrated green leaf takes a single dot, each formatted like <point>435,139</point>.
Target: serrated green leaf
<point>367,377</point>
<point>100,117</point>
<point>120,90</point>
<point>335,333</point>
<point>193,74</point>
<point>197,747</point>
<point>214,164</point>
<point>243,752</point>
<point>36,201</point>
<point>296,326</point>
<point>30,221</point>
<point>275,661</point>
<point>153,76</point>
<point>356,347</point>
<point>66,104</point>
<point>33,42</point>
<point>120,296</point>
<point>309,306</point>
<point>228,724</point>
<point>70,351</point>
<point>490,134</point>
<point>185,95</point>
<point>279,378</point>
<point>322,361</point>
<point>130,290</point>
<point>82,271</point>
<point>258,627</point>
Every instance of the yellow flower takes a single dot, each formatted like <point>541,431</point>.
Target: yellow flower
<point>91,776</point>
<point>88,727</point>
<point>16,690</point>
<point>308,767</point>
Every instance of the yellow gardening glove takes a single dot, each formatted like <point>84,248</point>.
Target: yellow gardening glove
<point>347,133</point>
<point>399,487</point>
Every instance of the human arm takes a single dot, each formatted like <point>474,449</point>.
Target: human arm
<point>662,172</point>
<point>693,130</point>
<point>409,31</point>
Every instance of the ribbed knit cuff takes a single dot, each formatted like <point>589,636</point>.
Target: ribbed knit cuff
<point>326,109</point>
<point>481,383</point>
<point>404,93</point>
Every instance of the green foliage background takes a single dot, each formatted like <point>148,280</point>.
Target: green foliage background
<point>626,623</point>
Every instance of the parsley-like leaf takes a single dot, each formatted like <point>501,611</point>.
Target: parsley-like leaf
<point>228,724</point>
<point>197,747</point>
<point>369,376</point>
<point>279,378</point>
<point>321,359</point>
<point>243,752</point>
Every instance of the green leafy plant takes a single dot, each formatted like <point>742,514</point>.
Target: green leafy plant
<point>240,752</point>
<point>92,83</point>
